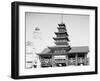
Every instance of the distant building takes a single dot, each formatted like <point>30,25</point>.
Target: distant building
<point>29,55</point>
<point>63,54</point>
<point>31,59</point>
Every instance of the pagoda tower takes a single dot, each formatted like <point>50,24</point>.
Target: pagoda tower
<point>59,52</point>
<point>61,39</point>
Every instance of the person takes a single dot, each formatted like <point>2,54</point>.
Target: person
<point>35,64</point>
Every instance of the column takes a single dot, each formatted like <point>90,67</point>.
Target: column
<point>66,60</point>
<point>85,59</point>
<point>53,64</point>
<point>39,61</point>
<point>76,59</point>
<point>40,58</point>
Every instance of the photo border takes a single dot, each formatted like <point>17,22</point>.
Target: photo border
<point>15,39</point>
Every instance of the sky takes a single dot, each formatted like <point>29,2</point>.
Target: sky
<point>77,27</point>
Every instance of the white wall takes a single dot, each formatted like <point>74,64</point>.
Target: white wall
<point>5,41</point>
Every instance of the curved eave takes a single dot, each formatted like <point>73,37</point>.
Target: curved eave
<point>61,33</point>
<point>61,28</point>
<point>62,24</point>
<point>67,53</point>
<point>60,47</point>
<point>52,53</point>
<point>61,43</point>
<point>60,38</point>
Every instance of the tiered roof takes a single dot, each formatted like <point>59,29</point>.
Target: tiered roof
<point>79,49</point>
<point>61,39</point>
<point>62,44</point>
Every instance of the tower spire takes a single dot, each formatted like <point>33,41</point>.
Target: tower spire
<point>61,18</point>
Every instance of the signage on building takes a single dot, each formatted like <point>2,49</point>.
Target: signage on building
<point>60,57</point>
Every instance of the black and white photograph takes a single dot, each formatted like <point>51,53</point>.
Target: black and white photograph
<point>51,40</point>
<point>56,40</point>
